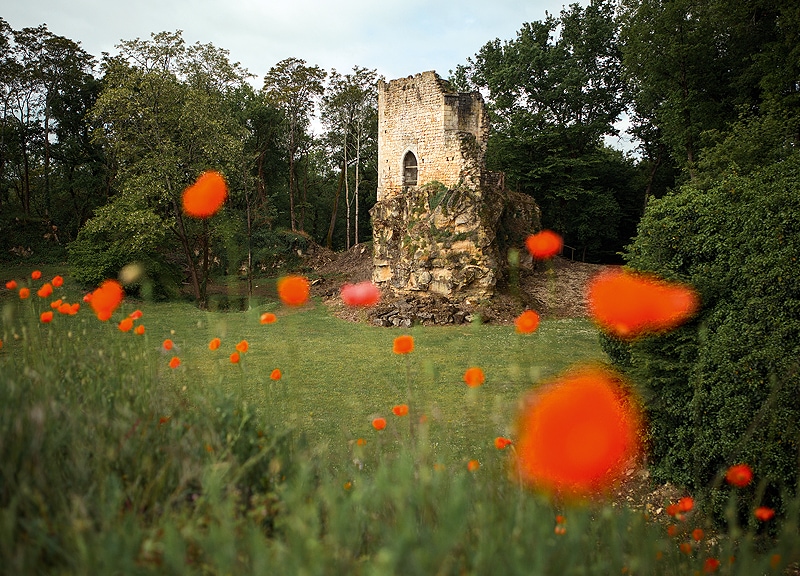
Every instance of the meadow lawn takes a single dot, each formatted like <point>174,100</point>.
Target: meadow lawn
<point>112,461</point>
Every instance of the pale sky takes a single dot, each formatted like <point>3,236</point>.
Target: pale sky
<point>397,38</point>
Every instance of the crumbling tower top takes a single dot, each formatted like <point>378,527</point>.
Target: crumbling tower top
<point>427,132</point>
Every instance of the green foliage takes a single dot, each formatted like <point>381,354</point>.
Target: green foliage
<point>278,249</point>
<point>113,463</point>
<point>555,92</point>
<point>98,442</point>
<point>723,389</point>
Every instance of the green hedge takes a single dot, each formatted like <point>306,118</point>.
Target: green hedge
<point>725,388</point>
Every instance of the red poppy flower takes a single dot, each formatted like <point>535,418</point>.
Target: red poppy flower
<point>45,291</point>
<point>73,309</point>
<point>46,317</point>
<point>139,330</point>
<point>105,299</point>
<point>739,475</point>
<point>275,375</point>
<point>672,530</point>
<point>764,514</point>
<point>11,284</point>
<point>710,565</point>
<point>175,362</point>
<point>24,293</point>
<point>36,274</point>
<point>474,377</point>
<point>56,303</point>
<point>628,305</point>
<point>57,281</point>
<point>673,510</point>
<point>361,442</point>
<point>527,322</point>
<point>544,245</point>
<point>125,325</point>
<point>697,534</point>
<point>686,548</point>
<point>403,344</point>
<point>685,504</point>
<point>379,423</point>
<point>65,308</point>
<point>400,410</point>
<point>268,318</point>
<point>293,290</point>
<point>578,434</point>
<point>205,197</point>
<point>135,315</point>
<point>234,358</point>
<point>501,443</point>
<point>243,346</point>
<point>214,344</point>
<point>361,294</point>
<point>167,344</point>
<point>473,465</point>
<point>87,297</point>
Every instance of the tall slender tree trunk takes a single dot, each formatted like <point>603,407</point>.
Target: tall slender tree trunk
<point>346,193</point>
<point>47,157</point>
<point>329,238</point>
<point>358,177</point>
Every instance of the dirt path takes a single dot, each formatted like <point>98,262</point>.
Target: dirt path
<point>554,289</point>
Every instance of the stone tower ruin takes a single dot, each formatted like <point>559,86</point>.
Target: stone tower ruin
<point>442,224</point>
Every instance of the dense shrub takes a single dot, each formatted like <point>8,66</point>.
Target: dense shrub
<point>724,388</point>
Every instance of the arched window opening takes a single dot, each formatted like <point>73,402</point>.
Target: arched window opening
<point>409,169</point>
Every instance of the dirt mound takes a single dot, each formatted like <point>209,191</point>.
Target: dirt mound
<point>554,288</point>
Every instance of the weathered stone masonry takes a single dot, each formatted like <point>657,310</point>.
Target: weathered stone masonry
<point>442,222</point>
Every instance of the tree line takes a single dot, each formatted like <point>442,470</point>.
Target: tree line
<point>94,154</point>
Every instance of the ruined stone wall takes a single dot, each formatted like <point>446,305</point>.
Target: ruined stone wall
<point>443,236</point>
<point>446,131</point>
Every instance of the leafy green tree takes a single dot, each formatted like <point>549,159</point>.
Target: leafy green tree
<point>42,72</point>
<point>350,115</point>
<point>722,389</point>
<point>554,93</point>
<point>162,117</point>
<point>293,87</point>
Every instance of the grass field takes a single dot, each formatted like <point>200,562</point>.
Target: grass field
<point>112,462</point>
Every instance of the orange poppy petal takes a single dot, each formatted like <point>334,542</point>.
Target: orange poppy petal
<point>578,434</point>
<point>205,197</point>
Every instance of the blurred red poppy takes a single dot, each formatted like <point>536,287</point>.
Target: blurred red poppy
<point>205,197</point>
<point>527,322</point>
<point>739,475</point>
<point>578,434</point>
<point>361,294</point>
<point>400,410</point>
<point>105,299</point>
<point>544,244</point>
<point>403,344</point>
<point>474,377</point>
<point>628,305</point>
<point>293,290</point>
<point>501,443</point>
